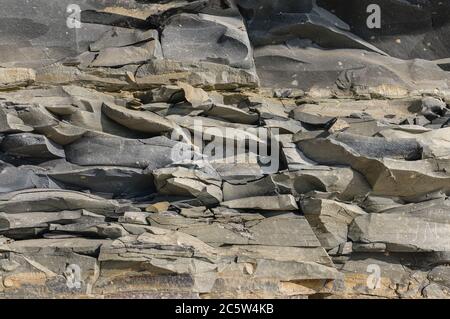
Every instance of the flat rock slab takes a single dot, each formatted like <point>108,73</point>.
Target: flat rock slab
<point>142,121</point>
<point>49,200</point>
<point>422,176</point>
<point>78,245</point>
<point>120,56</point>
<point>10,122</point>
<point>118,181</point>
<point>280,203</point>
<point>44,219</point>
<point>24,177</point>
<point>31,145</point>
<point>285,229</point>
<point>121,37</point>
<point>94,149</point>
<point>417,227</point>
<point>282,66</point>
<point>203,184</point>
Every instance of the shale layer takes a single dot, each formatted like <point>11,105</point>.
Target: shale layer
<point>224,149</point>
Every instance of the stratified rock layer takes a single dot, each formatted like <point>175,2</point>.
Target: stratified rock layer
<point>224,149</point>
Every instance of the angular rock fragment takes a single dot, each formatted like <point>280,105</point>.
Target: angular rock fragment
<point>313,120</point>
<point>232,114</point>
<point>10,122</point>
<point>440,275</point>
<point>280,202</point>
<point>204,74</point>
<point>288,22</point>
<point>294,271</point>
<point>284,230</point>
<point>46,265</point>
<point>189,182</point>
<point>415,227</point>
<point>142,121</point>
<point>377,204</point>
<point>346,183</point>
<point>239,140</point>
<point>397,276</point>
<point>228,227</point>
<point>235,189</point>
<point>23,177</point>
<point>134,218</point>
<point>362,113</point>
<point>195,96</point>
<point>434,144</point>
<point>108,150</point>
<point>375,147</point>
<point>42,121</point>
<point>117,181</point>
<point>189,255</point>
<point>50,200</point>
<point>202,263</point>
<point>330,219</point>
<point>238,171</point>
<point>120,56</point>
<point>38,219</point>
<point>284,126</point>
<point>76,245</point>
<point>164,93</point>
<point>158,207</point>
<point>93,229</point>
<point>266,108</point>
<point>303,271</point>
<point>433,108</point>
<point>385,175</point>
<point>32,146</point>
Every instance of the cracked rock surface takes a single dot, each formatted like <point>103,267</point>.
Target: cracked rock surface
<point>224,149</point>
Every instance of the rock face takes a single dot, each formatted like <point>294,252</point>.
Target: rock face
<point>224,149</point>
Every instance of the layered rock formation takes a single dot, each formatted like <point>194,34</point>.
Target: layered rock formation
<point>228,149</point>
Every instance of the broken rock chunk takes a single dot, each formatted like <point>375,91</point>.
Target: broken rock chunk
<point>330,219</point>
<point>31,146</point>
<point>16,77</point>
<point>414,227</point>
<point>280,202</point>
<point>50,200</point>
